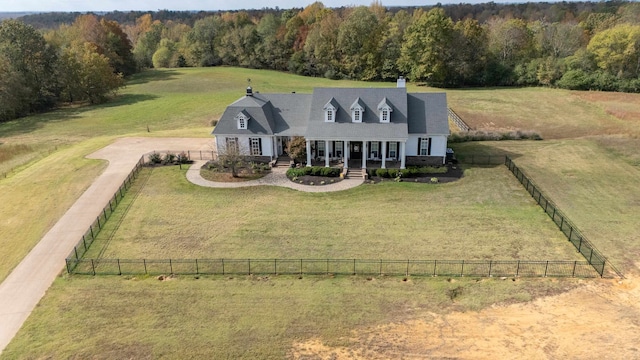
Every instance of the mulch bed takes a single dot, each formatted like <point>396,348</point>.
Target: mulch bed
<point>316,180</point>
<point>454,173</point>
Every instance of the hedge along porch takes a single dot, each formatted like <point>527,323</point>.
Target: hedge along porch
<point>358,127</point>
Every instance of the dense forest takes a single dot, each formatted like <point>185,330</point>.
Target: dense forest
<point>50,58</point>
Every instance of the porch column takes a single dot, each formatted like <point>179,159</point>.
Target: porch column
<point>364,154</point>
<point>402,155</point>
<point>384,154</point>
<point>326,153</point>
<point>344,154</point>
<point>308,152</point>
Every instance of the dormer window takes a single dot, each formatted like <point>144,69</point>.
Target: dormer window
<point>330,109</point>
<point>385,110</point>
<point>357,110</point>
<point>243,119</point>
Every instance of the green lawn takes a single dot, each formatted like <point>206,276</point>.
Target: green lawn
<point>485,215</point>
<point>593,179</point>
<point>239,318</point>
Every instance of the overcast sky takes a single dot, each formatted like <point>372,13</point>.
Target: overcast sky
<point>125,5</point>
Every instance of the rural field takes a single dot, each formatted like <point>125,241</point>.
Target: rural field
<point>588,164</point>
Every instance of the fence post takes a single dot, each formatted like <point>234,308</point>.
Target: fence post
<point>93,267</point>
<point>580,245</point>
<point>104,211</point>
<point>354,266</point>
<point>75,249</point>
<point>170,266</point>
<point>189,154</point>
<point>119,270</point>
<point>407,271</point>
<point>222,266</point>
<point>249,263</point>
<point>68,268</point>
<point>462,269</point>
<point>490,265</point>
<point>545,268</point>
<point>144,263</point>
<point>380,267</point>
<point>518,269</point>
<point>590,256</point>
<point>197,268</point>
<point>99,226</point>
<point>573,274</point>
<point>300,267</point>
<point>327,266</point>
<point>435,263</point>
<point>84,242</point>
<point>570,232</point>
<point>275,261</point>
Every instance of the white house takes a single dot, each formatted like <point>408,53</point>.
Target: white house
<point>360,127</point>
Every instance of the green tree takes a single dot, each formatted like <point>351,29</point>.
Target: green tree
<point>470,53</point>
<point>617,50</point>
<point>13,92</point>
<point>147,45</point>
<point>204,40</point>
<point>426,53</point>
<point>357,44</point>
<point>31,61</point>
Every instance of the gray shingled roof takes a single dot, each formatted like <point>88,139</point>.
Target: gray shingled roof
<point>370,128</point>
<point>428,113</point>
<point>303,114</point>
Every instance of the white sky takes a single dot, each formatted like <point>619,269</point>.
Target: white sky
<point>126,5</point>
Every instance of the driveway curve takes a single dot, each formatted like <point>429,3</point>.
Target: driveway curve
<point>21,291</point>
<point>277,177</point>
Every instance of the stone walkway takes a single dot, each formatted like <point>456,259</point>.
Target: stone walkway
<point>277,177</point>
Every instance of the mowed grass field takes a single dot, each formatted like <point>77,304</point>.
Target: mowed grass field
<point>588,164</point>
<point>485,215</point>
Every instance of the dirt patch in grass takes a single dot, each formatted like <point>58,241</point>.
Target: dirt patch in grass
<point>557,326</point>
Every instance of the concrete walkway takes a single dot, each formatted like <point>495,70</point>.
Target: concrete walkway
<point>277,177</point>
<point>21,291</point>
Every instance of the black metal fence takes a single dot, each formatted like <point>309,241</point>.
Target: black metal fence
<point>584,246</point>
<point>191,154</point>
<point>472,159</point>
<point>472,268</point>
<point>90,235</point>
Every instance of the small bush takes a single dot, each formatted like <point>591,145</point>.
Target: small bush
<point>492,135</point>
<point>182,158</point>
<point>393,173</point>
<point>434,180</point>
<point>382,173</point>
<point>155,158</point>
<point>169,158</point>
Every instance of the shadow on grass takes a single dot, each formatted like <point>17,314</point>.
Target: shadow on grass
<point>480,153</point>
<point>34,122</point>
<point>151,75</point>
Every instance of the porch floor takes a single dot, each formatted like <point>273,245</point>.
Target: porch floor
<point>357,164</point>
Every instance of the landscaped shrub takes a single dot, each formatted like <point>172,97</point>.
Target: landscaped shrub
<point>491,135</point>
<point>393,173</point>
<point>382,173</point>
<point>182,158</point>
<point>155,158</point>
<point>313,171</point>
<point>169,158</point>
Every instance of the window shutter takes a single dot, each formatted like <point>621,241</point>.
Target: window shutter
<point>419,143</point>
<point>260,145</point>
<point>429,147</point>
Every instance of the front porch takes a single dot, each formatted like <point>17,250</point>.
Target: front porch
<point>356,154</point>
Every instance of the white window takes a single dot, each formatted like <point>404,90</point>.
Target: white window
<point>339,146</point>
<point>320,148</point>
<point>424,147</point>
<point>330,115</point>
<point>232,144</point>
<point>242,118</point>
<point>393,150</point>
<point>385,116</point>
<point>374,149</point>
<point>356,116</point>
<point>255,146</point>
<point>242,123</point>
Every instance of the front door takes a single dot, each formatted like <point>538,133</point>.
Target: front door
<point>355,152</point>
<point>284,142</point>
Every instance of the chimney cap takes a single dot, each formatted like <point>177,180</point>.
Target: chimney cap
<point>249,91</point>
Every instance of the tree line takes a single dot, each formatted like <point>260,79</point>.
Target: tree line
<point>586,46</point>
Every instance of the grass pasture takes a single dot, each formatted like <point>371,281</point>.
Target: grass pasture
<point>588,163</point>
<point>486,215</point>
